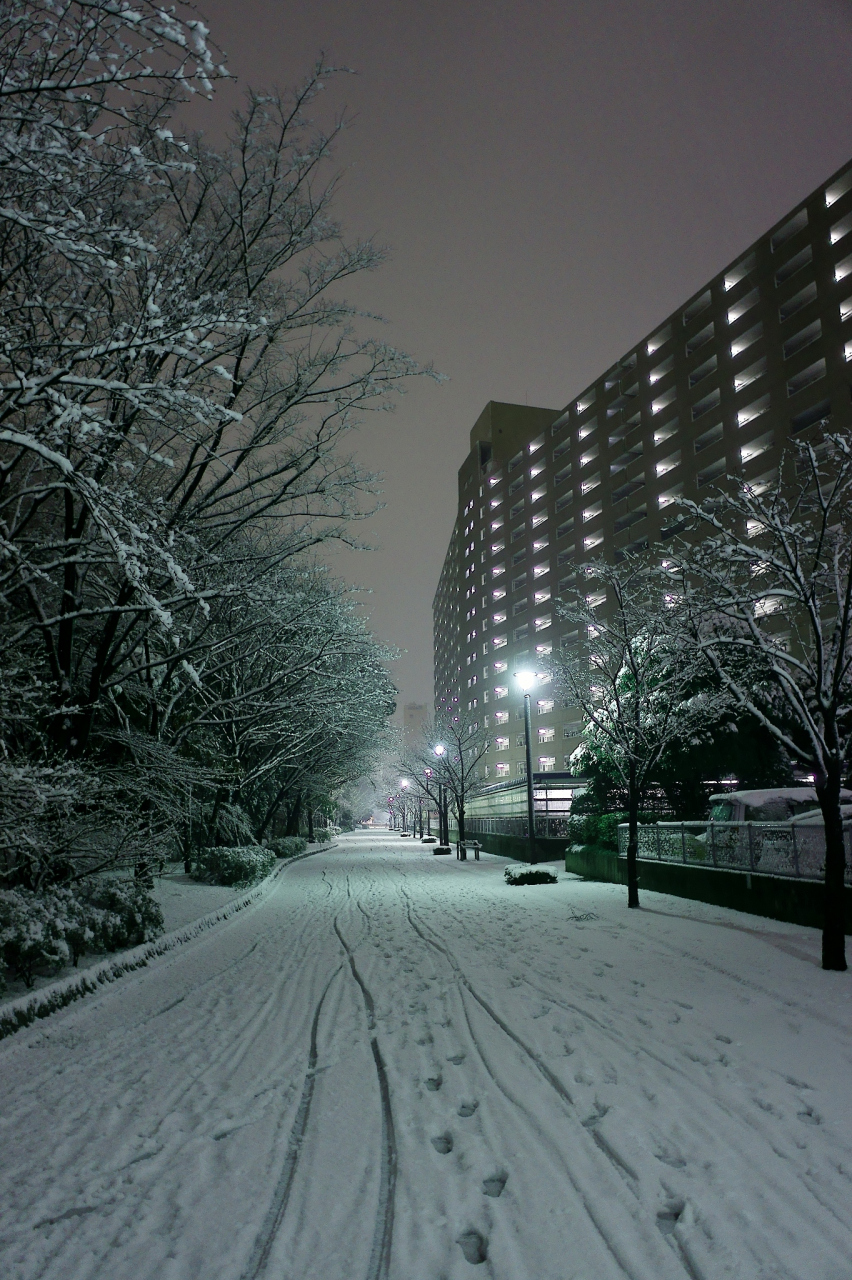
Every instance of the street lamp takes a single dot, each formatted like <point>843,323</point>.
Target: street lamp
<point>526,680</point>
<point>443,821</point>
<point>403,783</point>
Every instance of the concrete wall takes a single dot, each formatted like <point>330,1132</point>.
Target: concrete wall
<point>775,898</point>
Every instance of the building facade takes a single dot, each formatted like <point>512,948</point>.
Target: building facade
<point>760,355</point>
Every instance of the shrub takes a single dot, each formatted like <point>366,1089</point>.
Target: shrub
<point>530,875</point>
<point>323,837</point>
<point>600,829</point>
<point>239,866</point>
<point>125,914</point>
<point>32,933</point>
<point>288,846</point>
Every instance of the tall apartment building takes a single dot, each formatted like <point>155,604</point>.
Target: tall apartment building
<point>759,355</point>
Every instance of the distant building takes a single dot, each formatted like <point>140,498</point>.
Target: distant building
<point>415,717</point>
<point>759,355</point>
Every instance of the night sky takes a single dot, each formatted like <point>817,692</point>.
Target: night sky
<point>552,179</point>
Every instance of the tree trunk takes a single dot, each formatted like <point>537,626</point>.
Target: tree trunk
<point>833,923</point>
<point>460,811</point>
<point>294,813</point>
<point>632,839</point>
<point>310,822</point>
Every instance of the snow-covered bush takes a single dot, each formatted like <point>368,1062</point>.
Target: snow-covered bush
<point>288,846</point>
<point>121,913</point>
<point>239,866</point>
<point>529,875</point>
<point>323,836</point>
<point>32,932</point>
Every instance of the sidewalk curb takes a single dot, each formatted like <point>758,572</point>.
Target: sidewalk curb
<point>26,1010</point>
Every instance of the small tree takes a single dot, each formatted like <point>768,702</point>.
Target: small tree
<point>464,740</point>
<point>632,679</point>
<point>769,588</point>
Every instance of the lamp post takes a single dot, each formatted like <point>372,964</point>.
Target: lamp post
<point>526,680</point>
<point>403,783</point>
<point>443,823</point>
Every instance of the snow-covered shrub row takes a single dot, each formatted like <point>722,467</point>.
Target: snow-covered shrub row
<point>22,1012</point>
<point>42,932</point>
<point>288,846</point>
<point>240,866</point>
<point>323,837</point>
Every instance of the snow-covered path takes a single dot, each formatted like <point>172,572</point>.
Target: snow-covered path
<point>395,1066</point>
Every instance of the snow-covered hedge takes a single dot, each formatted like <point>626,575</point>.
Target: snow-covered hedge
<point>529,875</point>
<point>239,866</point>
<point>323,836</point>
<point>288,846</point>
<point>44,931</point>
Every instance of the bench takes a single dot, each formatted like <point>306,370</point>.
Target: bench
<point>462,848</point>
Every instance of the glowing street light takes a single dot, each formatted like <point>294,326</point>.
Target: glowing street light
<point>526,681</point>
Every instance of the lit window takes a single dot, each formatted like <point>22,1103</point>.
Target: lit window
<point>586,429</point>
<point>501,717</point>
<point>667,464</point>
<point>745,304</point>
<point>541,624</point>
<point>537,495</point>
<point>502,769</point>
<point>540,569</point>
<point>497,524</point>
<point>501,744</point>
<point>585,403</point>
<point>500,667</point>
<point>592,541</point>
<point>497,569</point>
<point>541,596</point>
<point>750,374</point>
<point>500,691</point>
<point>661,370</point>
<point>539,545</point>
<point>591,483</point>
<point>540,519</point>
<point>665,432</point>
<point>589,457</point>
<point>546,764</point>
<point>546,734</point>
<point>594,601</point>
<point>666,499</point>
<point>497,547</point>
<point>658,340</point>
<point>756,447</point>
<point>843,268</point>
<point>497,642</point>
<point>499,617</point>
<point>536,471</point>
<point>745,340</point>
<point>767,605</point>
<point>753,410</point>
<point>754,528</point>
<point>664,401</point>
<point>498,593</point>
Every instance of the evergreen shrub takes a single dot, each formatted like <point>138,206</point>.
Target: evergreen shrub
<point>529,875</point>
<point>122,913</point>
<point>288,846</point>
<point>240,866</point>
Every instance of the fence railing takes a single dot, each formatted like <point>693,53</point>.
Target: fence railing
<point>546,826</point>
<point>772,848</point>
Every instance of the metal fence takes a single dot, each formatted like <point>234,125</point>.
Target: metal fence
<point>773,848</point>
<point>546,826</point>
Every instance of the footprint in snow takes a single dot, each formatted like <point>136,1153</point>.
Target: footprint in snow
<point>434,1082</point>
<point>474,1246</point>
<point>668,1218</point>
<point>467,1109</point>
<point>456,1059</point>
<point>727,1040</point>
<point>494,1185</point>
<point>443,1144</point>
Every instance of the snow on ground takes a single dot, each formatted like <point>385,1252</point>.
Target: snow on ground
<point>396,1066</point>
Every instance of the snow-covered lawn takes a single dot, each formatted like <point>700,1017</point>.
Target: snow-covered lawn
<point>397,1066</point>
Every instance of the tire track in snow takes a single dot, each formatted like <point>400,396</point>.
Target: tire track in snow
<point>380,1253</point>
<point>275,1214</point>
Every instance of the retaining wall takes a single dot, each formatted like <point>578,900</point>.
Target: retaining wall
<point>774,897</point>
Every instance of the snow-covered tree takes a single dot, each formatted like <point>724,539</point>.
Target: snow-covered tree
<point>631,677</point>
<point>449,754</point>
<point>178,377</point>
<point>769,587</point>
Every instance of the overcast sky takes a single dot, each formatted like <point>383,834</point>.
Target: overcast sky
<point>552,179</point>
